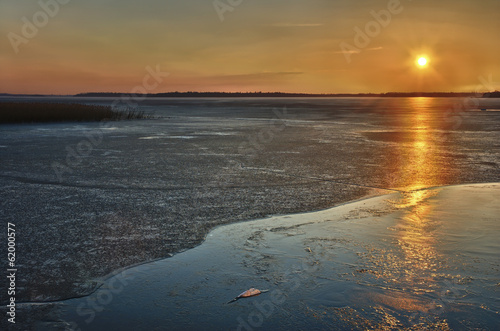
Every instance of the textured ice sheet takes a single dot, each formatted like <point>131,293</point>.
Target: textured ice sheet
<point>425,259</point>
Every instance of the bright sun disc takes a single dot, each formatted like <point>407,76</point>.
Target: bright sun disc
<point>422,61</point>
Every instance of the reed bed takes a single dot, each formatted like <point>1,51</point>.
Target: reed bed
<point>39,112</point>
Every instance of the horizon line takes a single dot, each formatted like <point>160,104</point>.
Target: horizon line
<point>173,93</point>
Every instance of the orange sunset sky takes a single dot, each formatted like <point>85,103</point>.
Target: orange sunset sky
<point>252,45</point>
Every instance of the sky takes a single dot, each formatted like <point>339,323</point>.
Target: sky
<point>311,46</point>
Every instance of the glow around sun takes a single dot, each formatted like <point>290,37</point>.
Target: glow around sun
<point>422,62</point>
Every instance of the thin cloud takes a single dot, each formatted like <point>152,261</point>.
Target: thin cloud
<point>347,52</point>
<point>296,25</point>
<point>359,51</point>
<point>266,74</point>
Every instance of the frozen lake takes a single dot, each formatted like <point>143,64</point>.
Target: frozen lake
<point>90,198</point>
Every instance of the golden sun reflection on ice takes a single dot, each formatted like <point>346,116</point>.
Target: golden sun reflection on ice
<point>415,232</point>
<point>418,164</point>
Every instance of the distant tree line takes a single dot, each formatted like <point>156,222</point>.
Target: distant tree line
<point>278,95</point>
<point>495,94</point>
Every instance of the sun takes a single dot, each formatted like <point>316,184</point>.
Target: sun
<point>422,62</point>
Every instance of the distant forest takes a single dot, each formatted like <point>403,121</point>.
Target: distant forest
<point>288,95</point>
<point>495,94</point>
